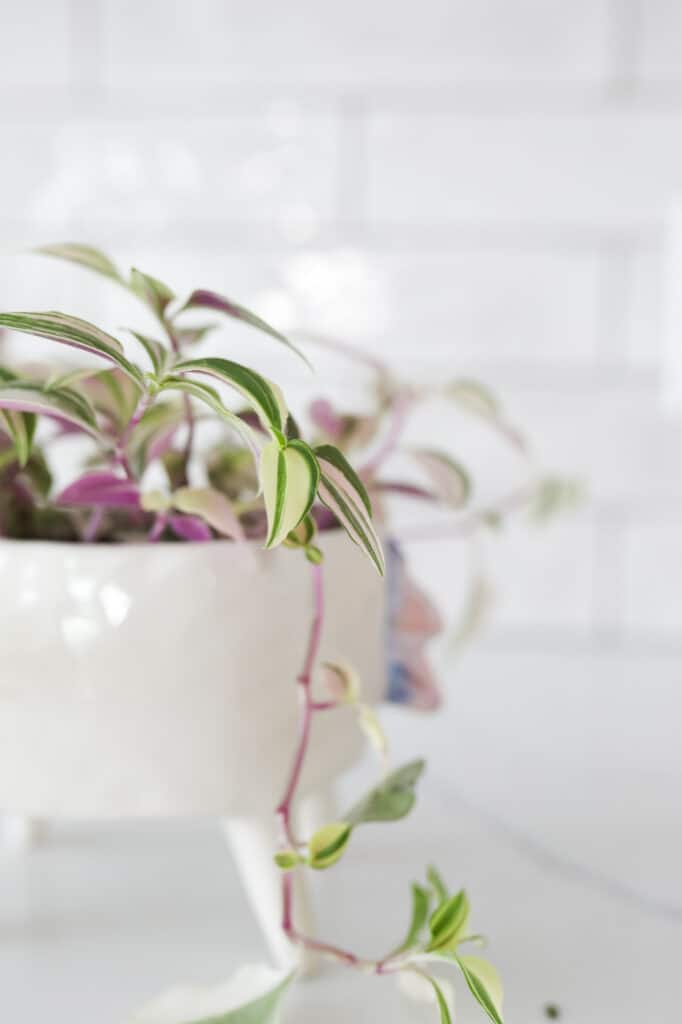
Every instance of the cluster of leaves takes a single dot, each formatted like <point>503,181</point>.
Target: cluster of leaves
<point>264,480</point>
<point>133,417</point>
<point>439,921</point>
<point>261,480</point>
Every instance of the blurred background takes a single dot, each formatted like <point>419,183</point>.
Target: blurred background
<point>488,189</point>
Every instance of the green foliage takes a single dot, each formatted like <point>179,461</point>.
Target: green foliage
<point>328,844</point>
<point>421,901</point>
<point>287,860</point>
<point>484,984</point>
<point>392,799</point>
<point>449,922</point>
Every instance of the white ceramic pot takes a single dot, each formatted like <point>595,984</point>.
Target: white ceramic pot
<point>157,680</point>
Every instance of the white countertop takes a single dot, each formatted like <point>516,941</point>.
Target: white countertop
<point>567,835</point>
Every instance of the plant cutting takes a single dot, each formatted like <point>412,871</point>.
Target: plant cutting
<point>141,521</point>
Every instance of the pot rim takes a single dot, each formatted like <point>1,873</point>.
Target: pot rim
<point>145,545</point>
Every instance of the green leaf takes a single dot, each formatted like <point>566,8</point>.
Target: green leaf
<point>331,455</point>
<point>392,799</point>
<point>210,397</point>
<point>302,535</point>
<point>344,494</point>
<point>155,293</point>
<point>262,394</point>
<point>159,355</point>
<point>314,555</point>
<point>484,984</point>
<point>180,1006</point>
<point>287,860</point>
<point>62,403</point>
<point>553,495</point>
<point>84,255</point>
<point>450,481</point>
<point>420,911</point>
<point>204,299</point>
<point>328,844</point>
<point>437,884</point>
<point>449,921</point>
<point>445,1017</point>
<point>21,427</point>
<point>70,330</point>
<point>474,397</point>
<point>289,477</point>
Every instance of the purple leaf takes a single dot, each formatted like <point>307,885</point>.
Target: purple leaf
<point>205,299</point>
<point>103,490</point>
<point>190,527</point>
<point>325,417</point>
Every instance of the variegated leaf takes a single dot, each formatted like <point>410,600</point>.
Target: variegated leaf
<point>449,479</point>
<point>484,984</point>
<point>61,404</point>
<point>344,494</point>
<point>159,355</point>
<point>204,299</point>
<point>155,293</point>
<point>252,996</point>
<point>264,396</point>
<point>210,397</point>
<point>211,506</point>
<point>70,330</point>
<point>84,255</point>
<point>289,479</point>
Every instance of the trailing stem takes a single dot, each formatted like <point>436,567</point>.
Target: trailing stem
<point>284,808</point>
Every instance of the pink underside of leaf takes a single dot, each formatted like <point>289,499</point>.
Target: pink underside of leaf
<point>104,490</point>
<point>190,527</point>
<point>324,416</point>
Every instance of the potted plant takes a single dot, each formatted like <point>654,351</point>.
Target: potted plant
<point>154,631</point>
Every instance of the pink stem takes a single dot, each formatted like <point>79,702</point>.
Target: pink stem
<point>401,410</point>
<point>158,526</point>
<point>121,453</point>
<point>284,808</point>
<point>189,414</point>
<point>467,524</point>
<point>304,681</point>
<point>92,527</point>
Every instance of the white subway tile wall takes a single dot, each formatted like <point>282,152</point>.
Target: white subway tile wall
<point>464,187</point>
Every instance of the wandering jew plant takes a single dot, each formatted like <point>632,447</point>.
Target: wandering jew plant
<point>263,481</point>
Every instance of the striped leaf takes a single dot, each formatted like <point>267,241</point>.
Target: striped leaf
<point>264,396</point>
<point>84,255</point>
<point>210,397</point>
<point>70,330</point>
<point>328,844</point>
<point>344,494</point>
<point>204,299</point>
<point>289,478</point>
<point>159,356</point>
<point>62,404</point>
<point>21,426</point>
<point>484,984</point>
<point>449,479</point>
<point>449,922</point>
<point>155,293</point>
